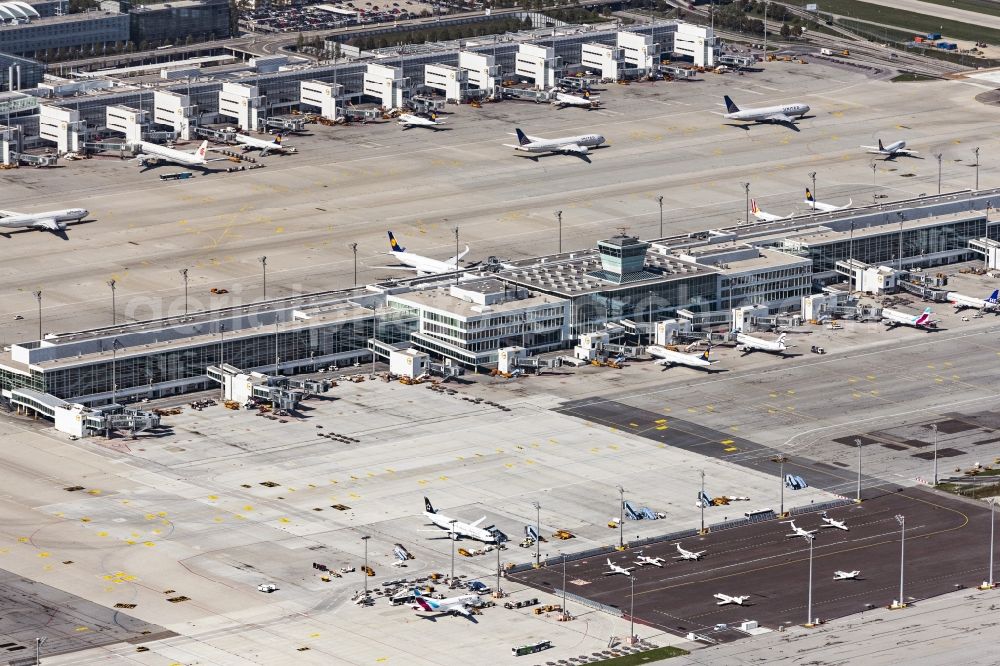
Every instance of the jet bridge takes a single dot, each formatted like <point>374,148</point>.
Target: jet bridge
<point>249,388</point>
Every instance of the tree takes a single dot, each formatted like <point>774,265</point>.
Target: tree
<point>300,41</point>
<point>785,30</point>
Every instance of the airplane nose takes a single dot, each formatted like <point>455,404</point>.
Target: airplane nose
<point>84,212</point>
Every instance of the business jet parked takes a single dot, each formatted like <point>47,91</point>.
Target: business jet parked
<point>985,304</point>
<point>421,265</point>
<point>835,524</point>
<point>846,575</point>
<point>570,145</point>
<point>562,100</point>
<point>724,599</point>
<point>689,554</point>
<point>801,532</point>
<point>457,528</point>
<point>824,207</point>
<point>408,120</point>
<point>748,343</point>
<point>765,217</point>
<point>460,604</point>
<point>151,153</point>
<point>892,151</point>
<point>265,147</point>
<point>52,220</point>
<point>894,318</point>
<point>642,560</point>
<point>669,357</point>
<point>615,569</point>
<point>769,114</point>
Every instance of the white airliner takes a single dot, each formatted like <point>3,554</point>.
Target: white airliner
<point>748,343</point>
<point>894,318</point>
<point>422,265</point>
<point>765,217</point>
<point>643,560</point>
<point>824,207</point>
<point>52,220</point>
<point>669,358</point>
<point>571,145</point>
<point>985,304</point>
<point>846,575</point>
<point>562,100</point>
<point>892,151</point>
<point>724,599</point>
<point>768,114</point>
<point>800,532</point>
<point>408,120</point>
<point>458,528</point>
<point>459,604</point>
<point>835,524</point>
<point>615,569</point>
<point>265,147</point>
<point>688,554</point>
<point>153,153</point>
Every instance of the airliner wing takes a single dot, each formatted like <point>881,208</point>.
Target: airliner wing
<point>510,145</point>
<point>779,118</point>
<point>395,268</point>
<point>573,148</point>
<point>8,213</point>
<point>873,149</point>
<point>478,522</point>
<point>46,224</point>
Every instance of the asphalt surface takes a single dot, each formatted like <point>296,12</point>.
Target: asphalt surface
<point>947,543</point>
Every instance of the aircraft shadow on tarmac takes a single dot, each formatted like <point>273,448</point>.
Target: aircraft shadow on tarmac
<point>437,616</point>
<point>61,233</point>
<point>584,157</point>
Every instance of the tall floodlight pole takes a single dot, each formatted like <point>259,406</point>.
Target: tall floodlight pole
<point>184,275</point>
<point>38,297</point>
<point>38,647</point>
<point>701,501</point>
<point>454,538</point>
<point>114,370</point>
<point>976,151</point>
<point>874,186</point>
<point>222,356</point>
<point>766,5</point>
<point>858,498</point>
<point>781,460</point>
<point>500,591</point>
<point>365,540</point>
<point>993,515</point>
<point>263,268</point>
<point>621,517</point>
<point>746,186</point>
<point>114,317</point>
<point>812,174</point>
<point>538,533</point>
<point>902,552</point>
<point>456,255</point>
<point>938,156</point>
<point>374,334</point>
<point>631,609</point>
<point>935,428</point>
<point>659,200</point>
<point>354,249</point>
<point>809,607</point>
<point>558,214</point>
<point>566,613</point>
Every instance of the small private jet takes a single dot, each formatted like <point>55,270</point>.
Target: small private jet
<point>892,151</point>
<point>614,569</point>
<point>800,532</point>
<point>643,560</point>
<point>835,524</point>
<point>724,599</point>
<point>688,554</point>
<point>846,575</point>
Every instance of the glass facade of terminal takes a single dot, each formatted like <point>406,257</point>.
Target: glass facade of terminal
<point>884,248</point>
<point>591,311</point>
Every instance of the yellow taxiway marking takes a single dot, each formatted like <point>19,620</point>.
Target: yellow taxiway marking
<point>727,441</point>
<point>662,427</point>
<point>660,421</point>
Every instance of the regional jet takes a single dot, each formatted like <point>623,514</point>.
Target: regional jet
<point>52,220</point>
<point>457,528</point>
<point>892,151</point>
<point>151,153</point>
<point>894,318</point>
<point>615,569</point>
<point>669,357</point>
<point>562,100</point>
<point>824,207</point>
<point>985,304</point>
<point>801,532</point>
<point>769,114</point>
<point>835,524</point>
<point>724,599</point>
<point>765,217</point>
<point>421,265</point>
<point>459,604</point>
<point>748,343</point>
<point>643,560</point>
<point>846,575</point>
<point>408,120</point>
<point>688,554</point>
<point>265,147</point>
<point>569,145</point>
